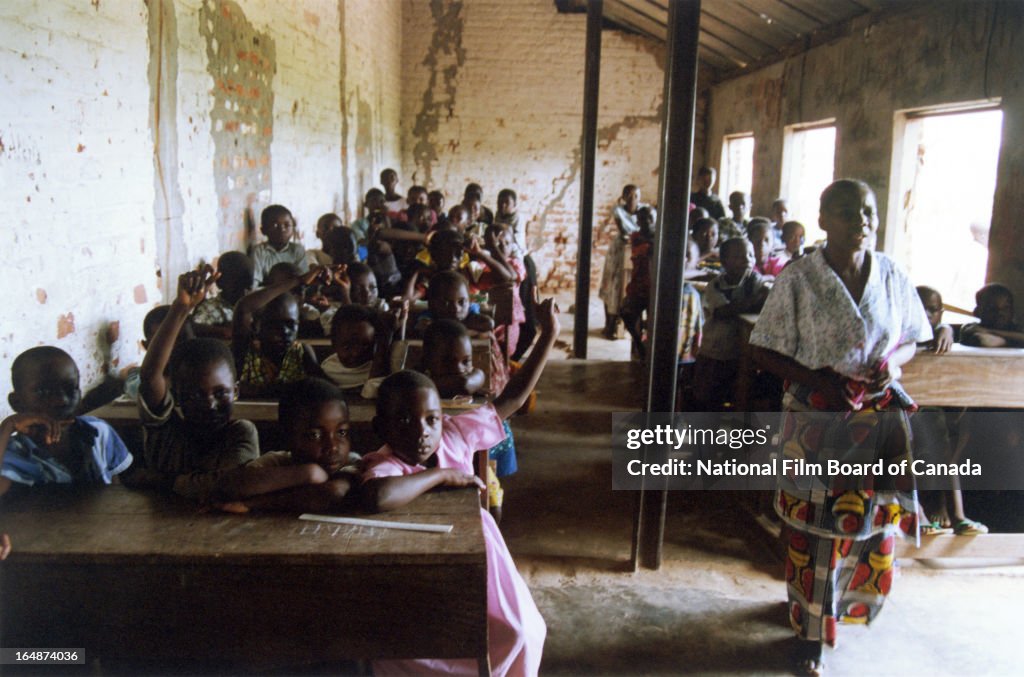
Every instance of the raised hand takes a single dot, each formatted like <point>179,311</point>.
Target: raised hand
<point>547,316</point>
<point>5,546</point>
<point>194,285</point>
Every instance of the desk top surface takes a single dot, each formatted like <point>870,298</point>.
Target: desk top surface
<point>114,524</point>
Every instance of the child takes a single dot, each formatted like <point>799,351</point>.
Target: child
<point>314,475</point>
<point>448,299</point>
<point>703,197</point>
<point>705,234</point>
<point>996,328</point>
<point>435,199</point>
<point>475,193</point>
<point>759,234</point>
<point>381,257</point>
<point>932,301</point>
<point>393,201</point>
<point>361,340</point>
<point>780,214</point>
<point>266,351</point>
<point>373,203</point>
<point>508,216</point>
<point>639,288</point>
<point>357,285</point>
<point>448,361</point>
<point>736,226</point>
<point>931,435</point>
<point>503,271</point>
<point>792,241</point>
<point>190,436</point>
<point>739,289</point>
<point>417,437</point>
<point>215,314</point>
<point>458,218</point>
<point>324,225</point>
<point>278,225</point>
<point>44,442</point>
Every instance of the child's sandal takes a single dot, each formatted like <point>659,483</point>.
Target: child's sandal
<point>966,527</point>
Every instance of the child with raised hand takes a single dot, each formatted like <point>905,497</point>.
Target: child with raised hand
<point>215,314</point>
<point>186,410</point>
<point>44,442</point>
<point>425,449</point>
<point>361,339</point>
<point>313,474</point>
<point>996,328</point>
<point>931,299</point>
<point>278,225</point>
<point>264,342</point>
<point>356,285</point>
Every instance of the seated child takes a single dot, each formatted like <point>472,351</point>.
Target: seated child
<point>446,250</point>
<point>759,234</point>
<point>373,203</point>
<point>738,290</point>
<point>435,199</point>
<point>264,342</point>
<point>502,269</point>
<point>190,437</point>
<point>448,361</point>
<point>793,242</point>
<point>357,285</point>
<point>425,449</point>
<point>314,475</point>
<point>448,299</point>
<point>394,202</point>
<point>996,328</point>
<point>931,299</point>
<point>508,216</point>
<point>639,288</point>
<point>324,225</point>
<point>458,218</point>
<point>705,234</point>
<point>736,225</point>
<point>380,256</point>
<point>44,442</point>
<point>933,442</point>
<point>474,192</point>
<point>278,225</point>
<point>215,314</point>
<point>361,339</point>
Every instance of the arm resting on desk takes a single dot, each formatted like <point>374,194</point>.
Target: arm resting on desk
<point>331,496</point>
<point>389,493</point>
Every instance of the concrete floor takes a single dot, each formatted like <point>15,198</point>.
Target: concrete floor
<point>717,605</point>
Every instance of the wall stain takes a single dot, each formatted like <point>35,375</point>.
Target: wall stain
<point>242,62</point>
<point>65,325</point>
<point>444,58</point>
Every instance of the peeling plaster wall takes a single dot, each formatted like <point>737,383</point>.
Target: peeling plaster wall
<point>493,93</point>
<point>76,182</point>
<point>371,86</point>
<point>130,125</point>
<point>936,54</point>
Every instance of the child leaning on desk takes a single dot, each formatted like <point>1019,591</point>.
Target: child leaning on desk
<point>313,474</point>
<point>44,442</point>
<point>425,449</point>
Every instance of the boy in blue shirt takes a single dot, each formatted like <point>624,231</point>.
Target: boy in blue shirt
<point>44,442</point>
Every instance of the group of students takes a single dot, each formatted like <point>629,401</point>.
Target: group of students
<point>203,351</point>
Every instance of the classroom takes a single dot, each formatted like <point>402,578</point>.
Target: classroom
<point>644,170</point>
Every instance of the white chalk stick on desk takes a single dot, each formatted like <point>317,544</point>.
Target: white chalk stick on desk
<point>359,522</point>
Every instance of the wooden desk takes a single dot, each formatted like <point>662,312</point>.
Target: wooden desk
<point>967,377</point>
<point>133,576</point>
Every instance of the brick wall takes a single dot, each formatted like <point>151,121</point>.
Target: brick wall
<point>242,102</point>
<point>493,93</point>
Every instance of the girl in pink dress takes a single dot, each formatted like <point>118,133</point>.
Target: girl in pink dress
<point>424,449</point>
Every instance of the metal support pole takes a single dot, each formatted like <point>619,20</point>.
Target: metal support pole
<point>669,253</point>
<point>591,83</point>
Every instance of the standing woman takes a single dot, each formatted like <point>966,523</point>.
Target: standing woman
<point>613,279</point>
<point>837,326</point>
